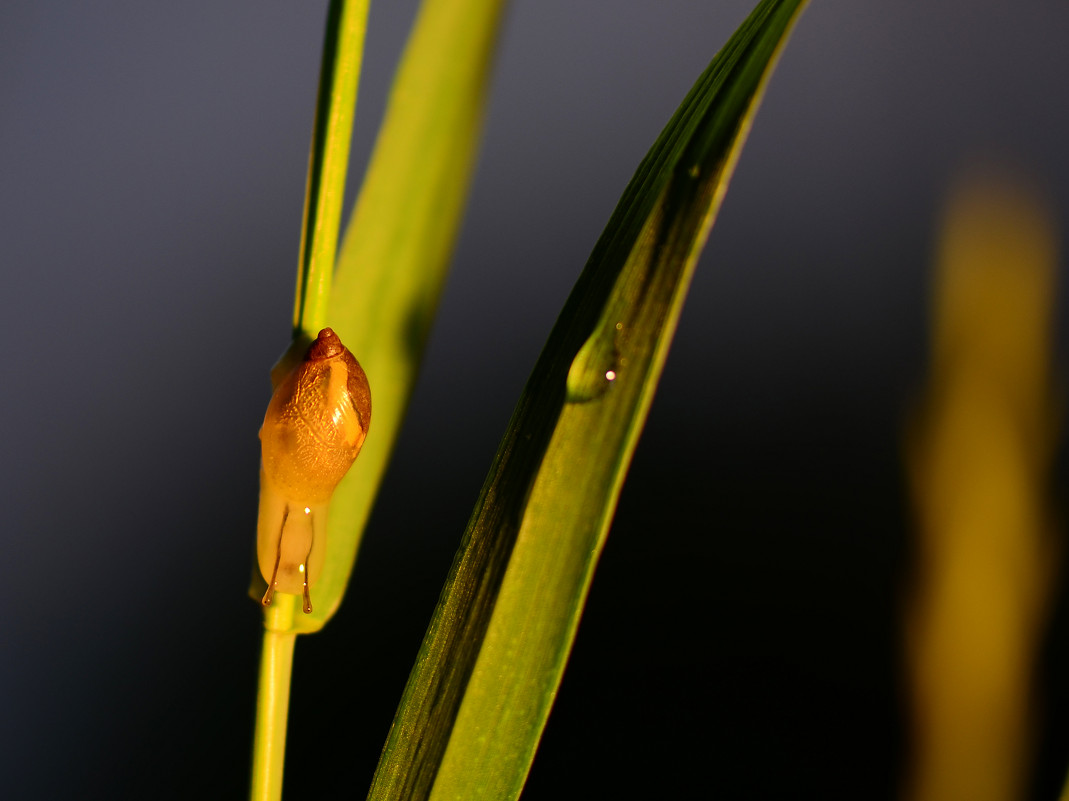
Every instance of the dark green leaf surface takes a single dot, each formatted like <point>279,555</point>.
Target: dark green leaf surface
<point>492,659</point>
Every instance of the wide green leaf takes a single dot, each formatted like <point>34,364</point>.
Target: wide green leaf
<point>396,252</point>
<point>489,667</point>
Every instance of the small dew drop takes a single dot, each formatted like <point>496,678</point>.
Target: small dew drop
<point>300,568</point>
<point>307,511</point>
<point>597,364</point>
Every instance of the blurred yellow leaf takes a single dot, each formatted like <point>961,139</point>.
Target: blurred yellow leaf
<point>979,460</point>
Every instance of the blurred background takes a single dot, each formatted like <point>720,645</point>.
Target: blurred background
<point>744,635</point>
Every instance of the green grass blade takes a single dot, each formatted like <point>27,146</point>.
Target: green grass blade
<point>396,251</point>
<point>490,664</point>
<point>328,162</point>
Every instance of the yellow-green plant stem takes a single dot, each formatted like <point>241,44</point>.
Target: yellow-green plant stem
<point>328,162</point>
<point>272,707</point>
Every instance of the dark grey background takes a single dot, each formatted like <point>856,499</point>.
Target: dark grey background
<point>741,638</point>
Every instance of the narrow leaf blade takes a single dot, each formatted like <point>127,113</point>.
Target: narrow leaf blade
<point>492,659</point>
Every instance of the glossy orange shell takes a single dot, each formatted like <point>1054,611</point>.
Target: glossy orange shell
<point>316,422</point>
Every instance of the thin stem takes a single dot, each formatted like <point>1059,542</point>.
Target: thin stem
<point>272,709</point>
<point>328,162</point>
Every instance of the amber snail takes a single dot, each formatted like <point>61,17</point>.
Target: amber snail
<point>313,430</point>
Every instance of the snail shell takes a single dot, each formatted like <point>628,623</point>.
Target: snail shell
<point>313,430</point>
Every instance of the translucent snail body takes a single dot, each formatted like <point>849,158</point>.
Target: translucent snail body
<point>312,432</point>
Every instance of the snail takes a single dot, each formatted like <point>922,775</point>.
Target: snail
<point>313,430</point>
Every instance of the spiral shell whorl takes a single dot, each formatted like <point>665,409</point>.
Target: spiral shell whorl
<point>316,422</point>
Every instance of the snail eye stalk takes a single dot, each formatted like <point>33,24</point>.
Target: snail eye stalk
<point>272,582</point>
